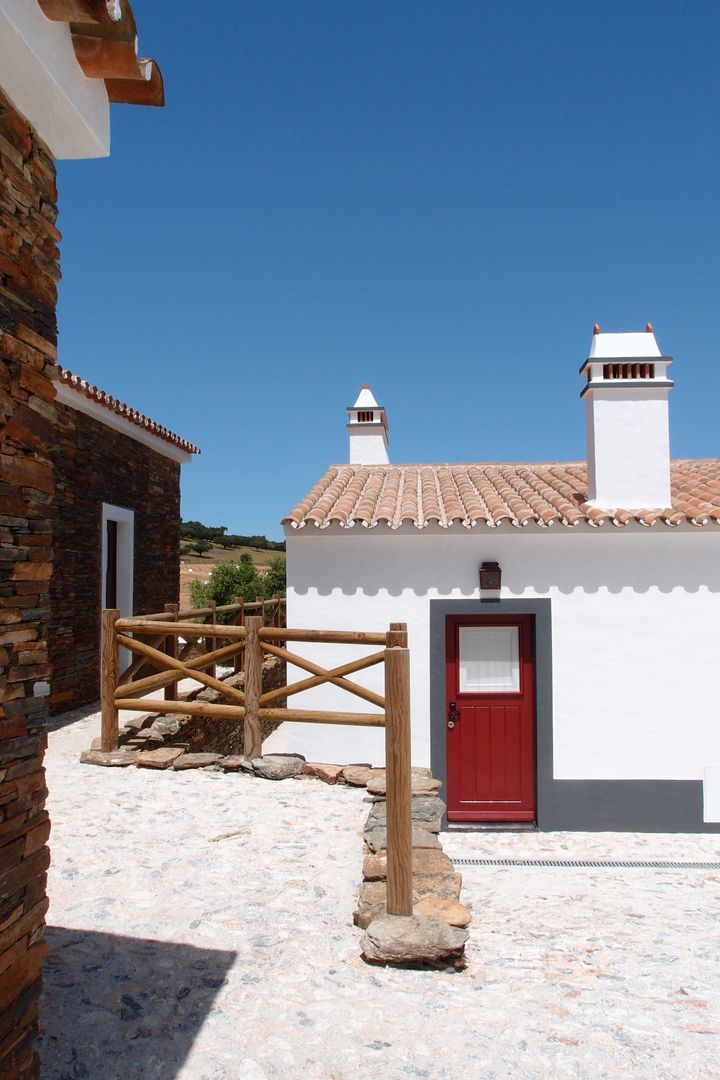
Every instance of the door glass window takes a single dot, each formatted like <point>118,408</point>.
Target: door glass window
<point>489,659</point>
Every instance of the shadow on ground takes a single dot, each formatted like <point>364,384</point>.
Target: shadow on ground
<point>123,1007</point>
<point>61,720</point>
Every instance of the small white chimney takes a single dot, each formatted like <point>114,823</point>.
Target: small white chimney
<point>628,435</point>
<point>367,428</point>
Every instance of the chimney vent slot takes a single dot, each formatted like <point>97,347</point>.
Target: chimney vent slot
<point>629,371</point>
<point>365,416</point>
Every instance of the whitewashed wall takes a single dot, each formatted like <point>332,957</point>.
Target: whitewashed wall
<point>635,621</point>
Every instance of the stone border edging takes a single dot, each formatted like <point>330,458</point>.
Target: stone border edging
<point>436,933</point>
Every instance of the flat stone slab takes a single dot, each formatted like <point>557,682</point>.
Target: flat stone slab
<point>358,775</point>
<point>444,886</point>
<point>236,763</point>
<point>424,861</point>
<point>112,758</point>
<point>436,896</point>
<point>420,785</point>
<point>425,809</point>
<point>159,759</point>
<point>196,761</point>
<point>376,839</point>
<point>450,911</point>
<point>413,940</point>
<point>364,914</point>
<point>278,766</point>
<point>327,773</point>
<point>137,723</point>
<point>166,725</point>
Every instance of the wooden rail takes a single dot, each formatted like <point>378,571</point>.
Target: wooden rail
<point>170,636</point>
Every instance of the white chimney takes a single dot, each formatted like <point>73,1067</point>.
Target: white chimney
<point>367,427</point>
<point>628,437</point>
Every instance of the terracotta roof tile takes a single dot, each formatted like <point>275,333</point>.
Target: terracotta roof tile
<point>126,411</point>
<point>545,494</point>
<point>104,37</point>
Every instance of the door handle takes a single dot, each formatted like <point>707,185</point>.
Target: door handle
<point>453,716</point>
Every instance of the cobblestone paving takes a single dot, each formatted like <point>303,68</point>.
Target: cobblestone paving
<point>200,928</point>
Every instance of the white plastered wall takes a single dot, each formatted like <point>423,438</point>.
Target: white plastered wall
<point>635,623</point>
<point>628,447</point>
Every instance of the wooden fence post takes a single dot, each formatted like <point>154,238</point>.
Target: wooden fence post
<point>239,621</point>
<point>171,648</point>
<point>211,642</point>
<point>253,687</point>
<point>398,773</point>
<point>109,664</point>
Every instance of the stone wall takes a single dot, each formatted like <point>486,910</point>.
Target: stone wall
<point>96,464</point>
<point>29,272</point>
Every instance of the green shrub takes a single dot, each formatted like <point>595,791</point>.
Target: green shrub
<point>230,580</point>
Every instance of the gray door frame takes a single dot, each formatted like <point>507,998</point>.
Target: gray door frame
<point>542,630</point>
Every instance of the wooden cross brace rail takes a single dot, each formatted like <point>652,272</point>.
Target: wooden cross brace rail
<point>190,670</point>
<point>253,706</point>
<point>323,676</point>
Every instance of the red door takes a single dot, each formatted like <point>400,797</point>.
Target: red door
<point>490,718</point>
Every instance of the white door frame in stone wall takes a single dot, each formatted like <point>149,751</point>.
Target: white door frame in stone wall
<point>125,520</point>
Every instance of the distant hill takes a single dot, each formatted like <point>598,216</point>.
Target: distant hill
<point>218,534</point>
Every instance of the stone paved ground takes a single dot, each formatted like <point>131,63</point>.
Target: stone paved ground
<point>177,950</point>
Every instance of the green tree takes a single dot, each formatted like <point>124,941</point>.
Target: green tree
<point>201,546</point>
<point>228,580</point>
<point>275,580</point>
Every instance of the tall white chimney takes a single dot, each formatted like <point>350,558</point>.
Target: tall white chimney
<point>628,437</point>
<point>367,428</point>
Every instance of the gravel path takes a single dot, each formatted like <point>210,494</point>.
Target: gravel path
<point>200,927</point>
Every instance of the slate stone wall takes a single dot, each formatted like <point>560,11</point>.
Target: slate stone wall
<point>29,272</point>
<point>95,464</point>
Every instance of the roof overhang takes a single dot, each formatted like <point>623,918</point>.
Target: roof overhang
<point>40,73</point>
<point>77,400</point>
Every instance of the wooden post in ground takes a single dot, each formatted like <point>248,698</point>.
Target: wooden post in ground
<point>253,687</point>
<point>211,642</point>
<point>171,648</point>
<point>398,774</point>
<point>239,620</point>
<point>109,665</point>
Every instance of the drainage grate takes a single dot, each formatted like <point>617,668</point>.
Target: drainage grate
<point>634,864</point>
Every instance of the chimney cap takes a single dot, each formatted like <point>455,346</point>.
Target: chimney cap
<point>366,399</point>
<point>627,346</point>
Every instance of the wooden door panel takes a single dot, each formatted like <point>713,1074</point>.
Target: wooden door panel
<point>491,748</point>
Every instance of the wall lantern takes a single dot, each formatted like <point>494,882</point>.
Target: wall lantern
<point>490,575</point>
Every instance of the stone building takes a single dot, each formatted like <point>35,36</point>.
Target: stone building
<point>562,616</point>
<point>61,62</point>
<point>116,528</point>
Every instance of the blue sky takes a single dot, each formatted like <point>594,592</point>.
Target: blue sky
<point>439,199</point>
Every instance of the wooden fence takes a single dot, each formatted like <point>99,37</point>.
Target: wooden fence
<point>245,641</point>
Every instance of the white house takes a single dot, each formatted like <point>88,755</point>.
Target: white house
<point>582,693</point>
